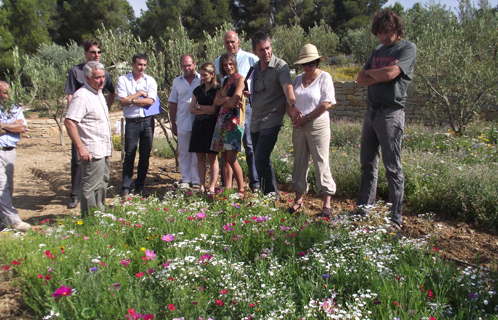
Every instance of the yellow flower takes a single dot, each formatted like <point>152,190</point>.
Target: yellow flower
<point>437,147</point>
<point>149,238</point>
<point>62,248</point>
<point>80,222</point>
<point>60,223</point>
<point>142,249</point>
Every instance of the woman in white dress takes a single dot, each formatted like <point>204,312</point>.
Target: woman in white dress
<point>315,94</point>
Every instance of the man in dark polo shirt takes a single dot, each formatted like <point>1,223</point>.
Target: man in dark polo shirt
<point>271,91</point>
<point>76,80</point>
<point>387,73</point>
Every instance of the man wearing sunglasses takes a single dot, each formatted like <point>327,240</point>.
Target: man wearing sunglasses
<point>76,80</point>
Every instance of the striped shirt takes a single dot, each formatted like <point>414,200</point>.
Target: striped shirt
<point>89,109</point>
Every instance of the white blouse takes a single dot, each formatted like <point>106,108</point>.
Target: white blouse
<point>320,90</point>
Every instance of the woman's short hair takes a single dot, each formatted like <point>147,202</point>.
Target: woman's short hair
<point>229,57</point>
<point>387,20</point>
<point>209,67</point>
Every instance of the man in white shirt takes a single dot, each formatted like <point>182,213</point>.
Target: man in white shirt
<point>12,124</point>
<point>137,91</point>
<point>87,124</point>
<point>182,120</point>
<point>245,61</point>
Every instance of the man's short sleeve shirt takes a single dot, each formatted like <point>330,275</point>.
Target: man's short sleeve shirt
<point>181,94</point>
<point>269,101</point>
<point>392,93</point>
<point>89,109</point>
<point>10,139</point>
<point>76,80</point>
<point>127,86</point>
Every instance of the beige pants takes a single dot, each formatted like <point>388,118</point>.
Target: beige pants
<point>313,139</point>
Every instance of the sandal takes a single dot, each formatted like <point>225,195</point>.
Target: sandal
<point>291,209</point>
<point>394,227</point>
<point>325,214</point>
<point>241,194</point>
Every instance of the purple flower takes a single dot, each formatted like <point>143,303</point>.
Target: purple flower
<point>325,276</point>
<point>94,269</point>
<point>125,262</point>
<point>117,286</point>
<point>473,295</point>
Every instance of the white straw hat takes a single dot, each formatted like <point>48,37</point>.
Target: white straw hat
<point>309,53</point>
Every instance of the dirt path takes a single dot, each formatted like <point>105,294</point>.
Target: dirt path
<point>42,187</point>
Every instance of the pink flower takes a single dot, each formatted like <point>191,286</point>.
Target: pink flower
<point>224,291</point>
<point>171,307</point>
<point>49,255</point>
<point>431,295</point>
<point>125,262</point>
<point>149,316</point>
<point>206,258</point>
<point>168,238</point>
<point>219,302</point>
<point>150,255</point>
<point>62,292</point>
<point>139,275</point>
<point>201,216</point>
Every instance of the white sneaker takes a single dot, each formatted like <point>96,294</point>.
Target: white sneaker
<point>21,226</point>
<point>184,185</point>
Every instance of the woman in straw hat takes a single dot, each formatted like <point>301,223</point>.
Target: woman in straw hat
<point>314,92</point>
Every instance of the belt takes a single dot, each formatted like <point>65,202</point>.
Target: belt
<point>7,148</point>
<point>138,119</point>
<point>205,116</point>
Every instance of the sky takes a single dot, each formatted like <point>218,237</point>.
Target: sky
<point>407,4</point>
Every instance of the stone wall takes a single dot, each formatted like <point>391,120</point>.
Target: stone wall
<point>351,103</point>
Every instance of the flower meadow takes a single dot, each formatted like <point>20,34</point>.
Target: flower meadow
<point>444,173</point>
<point>188,256</point>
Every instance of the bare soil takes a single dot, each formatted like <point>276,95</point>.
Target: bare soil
<point>42,185</point>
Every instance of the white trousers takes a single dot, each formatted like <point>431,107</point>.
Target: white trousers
<point>188,160</point>
<point>8,214</point>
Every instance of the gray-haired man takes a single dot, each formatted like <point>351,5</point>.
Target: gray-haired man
<point>87,124</point>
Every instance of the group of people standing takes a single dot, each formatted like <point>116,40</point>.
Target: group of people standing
<point>246,108</point>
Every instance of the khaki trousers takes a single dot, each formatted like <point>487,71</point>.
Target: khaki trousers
<point>312,139</point>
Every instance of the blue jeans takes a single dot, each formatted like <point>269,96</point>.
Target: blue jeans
<point>135,131</point>
<point>382,130</point>
<point>264,142</point>
<point>248,147</point>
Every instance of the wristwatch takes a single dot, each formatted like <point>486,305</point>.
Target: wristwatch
<point>308,117</point>
<point>132,101</point>
<point>198,107</point>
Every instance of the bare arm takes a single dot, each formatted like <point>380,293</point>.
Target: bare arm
<point>233,101</point>
<point>15,127</point>
<point>72,131</point>
<point>145,102</point>
<point>172,117</point>
<point>317,112</point>
<point>196,108</point>
<point>373,76</point>
<point>219,100</point>
<point>69,97</point>
<point>110,100</point>
<point>289,94</point>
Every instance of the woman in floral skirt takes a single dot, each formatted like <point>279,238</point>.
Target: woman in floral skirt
<point>229,128</point>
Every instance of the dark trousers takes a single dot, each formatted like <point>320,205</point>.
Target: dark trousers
<point>134,132</point>
<point>263,142</point>
<point>382,131</point>
<point>249,150</point>
<point>75,174</point>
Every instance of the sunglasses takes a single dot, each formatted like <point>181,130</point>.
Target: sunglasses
<point>96,52</point>
<point>309,64</point>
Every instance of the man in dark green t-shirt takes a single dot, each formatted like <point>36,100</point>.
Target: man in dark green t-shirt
<point>387,73</point>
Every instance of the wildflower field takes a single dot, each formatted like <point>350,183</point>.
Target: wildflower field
<point>182,255</point>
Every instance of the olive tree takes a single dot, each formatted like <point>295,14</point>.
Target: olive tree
<point>457,61</point>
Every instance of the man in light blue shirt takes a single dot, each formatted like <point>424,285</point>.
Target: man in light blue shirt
<point>12,124</point>
<point>245,61</point>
